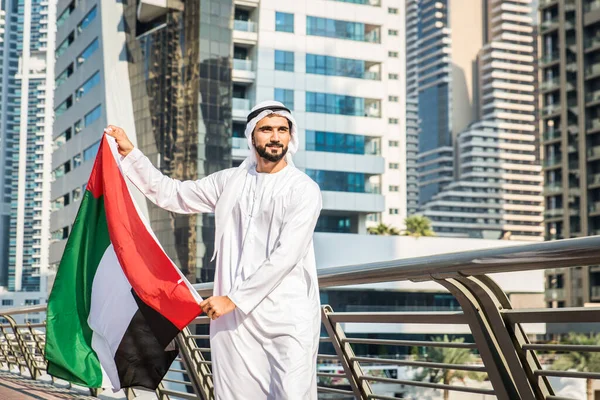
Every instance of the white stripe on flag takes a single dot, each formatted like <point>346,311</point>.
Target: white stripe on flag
<point>111,311</point>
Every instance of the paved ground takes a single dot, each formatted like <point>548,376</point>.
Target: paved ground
<point>17,387</point>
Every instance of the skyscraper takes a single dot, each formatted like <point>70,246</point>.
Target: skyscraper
<point>26,120</point>
<point>570,124</point>
<point>499,183</point>
<point>412,106</point>
<point>450,35</point>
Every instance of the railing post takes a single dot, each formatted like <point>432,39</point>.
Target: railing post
<point>5,347</point>
<point>360,387</point>
<point>494,301</point>
<point>29,361</point>
<point>194,362</point>
<point>489,348</point>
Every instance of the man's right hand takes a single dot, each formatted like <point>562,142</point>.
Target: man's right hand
<point>124,144</point>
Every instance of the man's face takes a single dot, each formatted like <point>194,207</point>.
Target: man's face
<point>271,137</point>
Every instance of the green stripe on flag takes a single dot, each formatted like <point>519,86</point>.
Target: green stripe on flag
<point>69,338</point>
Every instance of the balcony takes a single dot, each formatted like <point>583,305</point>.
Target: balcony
<point>591,43</point>
<point>245,32</point>
<point>243,71</point>
<point>555,294</point>
<point>552,162</point>
<point>593,152</point>
<point>550,109</point>
<point>550,84</point>
<point>592,70</point>
<point>549,24</point>
<point>552,134</point>
<point>550,58</point>
<point>240,108</point>
<point>595,293</point>
<point>591,6</point>
<point>594,208</point>
<point>593,124</point>
<point>244,26</point>
<point>553,187</point>
<point>554,213</point>
<point>239,143</point>
<point>592,97</point>
<point>594,179</point>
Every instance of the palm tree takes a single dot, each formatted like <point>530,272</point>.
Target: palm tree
<point>384,230</point>
<point>448,355</point>
<point>417,226</point>
<point>578,360</point>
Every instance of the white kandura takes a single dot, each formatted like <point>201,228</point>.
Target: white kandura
<point>267,347</point>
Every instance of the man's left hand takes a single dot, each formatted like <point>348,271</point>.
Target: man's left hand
<point>217,306</point>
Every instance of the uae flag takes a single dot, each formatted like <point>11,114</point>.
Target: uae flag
<point>118,300</point>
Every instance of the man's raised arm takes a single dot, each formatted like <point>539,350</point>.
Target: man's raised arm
<point>187,197</point>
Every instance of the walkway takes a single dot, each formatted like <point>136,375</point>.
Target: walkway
<point>17,387</point>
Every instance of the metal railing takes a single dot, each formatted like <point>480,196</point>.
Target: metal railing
<point>507,364</point>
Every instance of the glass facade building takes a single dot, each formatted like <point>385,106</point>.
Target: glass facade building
<point>25,121</point>
<point>434,99</point>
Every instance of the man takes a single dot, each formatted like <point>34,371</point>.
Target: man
<point>265,309</point>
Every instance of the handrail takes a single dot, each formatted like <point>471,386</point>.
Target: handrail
<point>546,255</point>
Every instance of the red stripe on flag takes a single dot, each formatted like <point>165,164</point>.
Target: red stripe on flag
<point>149,270</point>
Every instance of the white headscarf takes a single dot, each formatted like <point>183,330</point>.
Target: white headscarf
<point>231,192</point>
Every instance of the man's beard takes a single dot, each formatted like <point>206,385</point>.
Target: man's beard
<point>264,152</point>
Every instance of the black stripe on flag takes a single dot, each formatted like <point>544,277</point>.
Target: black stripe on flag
<point>141,358</point>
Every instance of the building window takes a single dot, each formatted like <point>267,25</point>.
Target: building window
<point>393,188</point>
<point>342,105</point>
<point>317,26</point>
<point>335,66</point>
<point>91,151</point>
<point>93,115</point>
<point>285,96</point>
<point>393,121</point>
<point>393,54</point>
<point>87,86</point>
<point>65,14</point>
<point>284,22</point>
<point>60,234</point>
<point>336,142</point>
<point>60,202</point>
<point>87,20</point>
<point>392,32</point>
<point>331,223</point>
<point>65,45</point>
<point>373,217</point>
<point>87,53</point>
<point>64,106</point>
<point>338,181</point>
<point>64,75</point>
<point>61,139</point>
<point>31,302</point>
<point>78,126</point>
<point>393,99</point>
<point>284,60</point>
<point>394,166</point>
<point>76,160</point>
<point>392,10</point>
<point>7,302</point>
<point>76,194</point>
<point>394,211</point>
<point>393,143</point>
<point>393,76</point>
